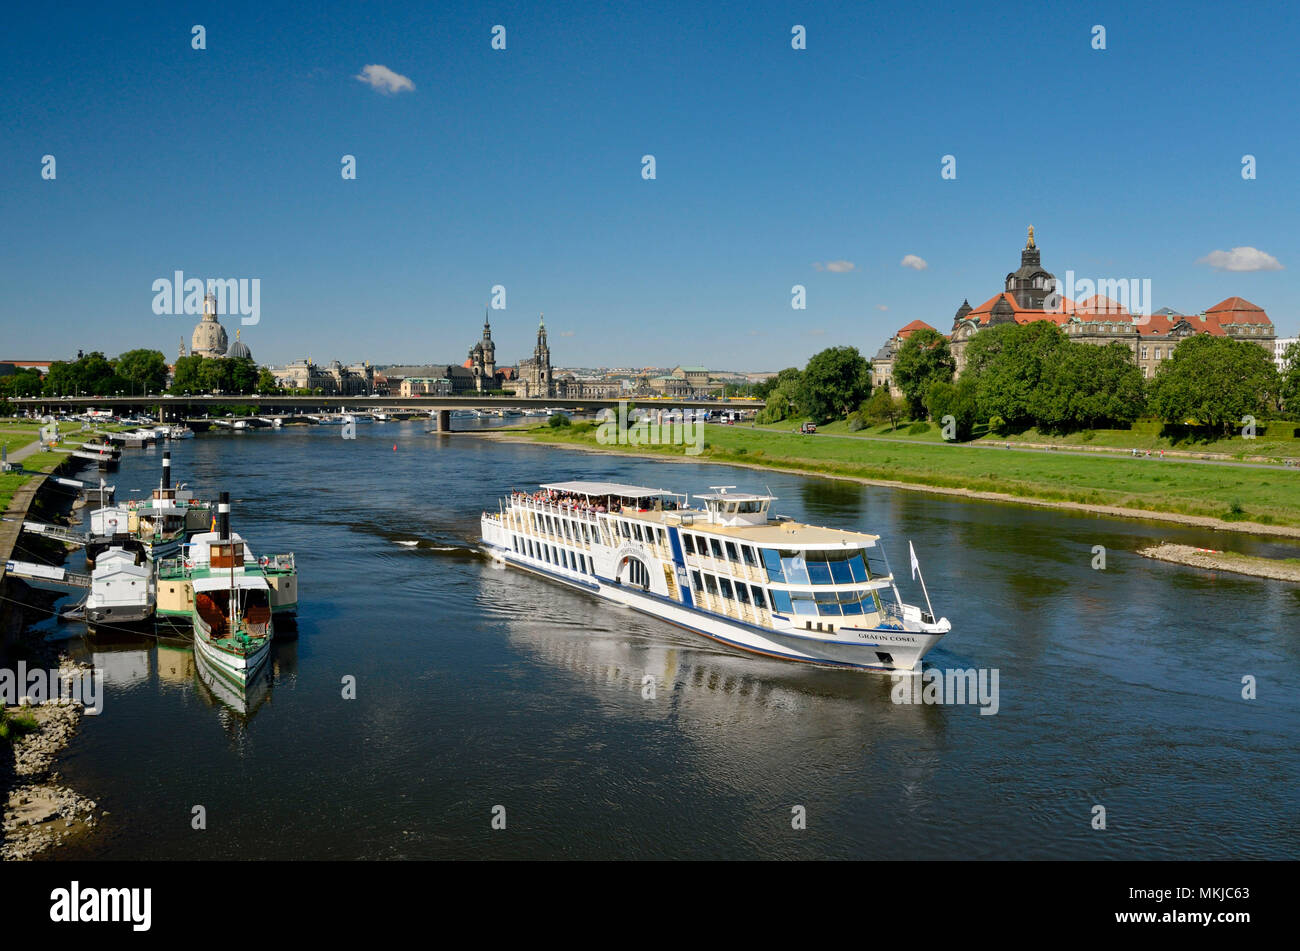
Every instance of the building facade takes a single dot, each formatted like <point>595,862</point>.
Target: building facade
<point>882,364</point>
<point>1028,292</point>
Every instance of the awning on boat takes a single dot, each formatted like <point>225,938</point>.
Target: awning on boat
<point>618,489</point>
<point>222,582</point>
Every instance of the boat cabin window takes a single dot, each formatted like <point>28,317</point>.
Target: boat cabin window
<point>688,543</point>
<point>710,584</point>
<point>742,593</point>
<point>750,559</point>
<point>726,589</point>
<point>226,555</point>
<point>731,552</point>
<point>716,548</point>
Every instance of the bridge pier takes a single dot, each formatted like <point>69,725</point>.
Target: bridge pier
<point>444,421</point>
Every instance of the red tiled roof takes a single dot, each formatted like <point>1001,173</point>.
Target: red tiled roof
<point>1238,310</point>
<point>907,331</point>
<point>1102,306</point>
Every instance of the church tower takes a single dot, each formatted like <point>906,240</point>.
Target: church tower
<point>542,359</point>
<point>489,349</point>
<point>1030,284</point>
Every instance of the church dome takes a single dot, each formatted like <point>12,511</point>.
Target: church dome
<point>239,350</point>
<point>210,338</point>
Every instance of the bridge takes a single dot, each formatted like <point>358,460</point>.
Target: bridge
<point>440,408</point>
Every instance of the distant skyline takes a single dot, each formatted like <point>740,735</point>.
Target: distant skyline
<point>522,167</point>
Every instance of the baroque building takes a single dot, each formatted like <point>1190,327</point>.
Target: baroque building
<point>535,379</point>
<point>1029,294</point>
<point>482,361</point>
<point>209,339</point>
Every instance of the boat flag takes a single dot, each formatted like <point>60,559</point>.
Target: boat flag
<point>916,565</point>
<point>213,526</point>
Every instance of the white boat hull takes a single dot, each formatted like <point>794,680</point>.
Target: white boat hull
<point>865,649</point>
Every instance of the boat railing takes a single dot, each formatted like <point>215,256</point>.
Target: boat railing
<point>172,568</point>
<point>283,562</point>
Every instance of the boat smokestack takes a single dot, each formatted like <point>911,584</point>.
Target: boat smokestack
<point>223,515</point>
<point>167,469</point>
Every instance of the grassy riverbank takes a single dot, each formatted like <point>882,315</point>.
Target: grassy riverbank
<point>1273,444</point>
<point>1232,494</point>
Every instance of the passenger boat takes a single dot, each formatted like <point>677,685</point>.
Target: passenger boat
<point>160,523</point>
<point>729,570</point>
<point>231,617</point>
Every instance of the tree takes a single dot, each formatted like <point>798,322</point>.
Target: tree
<point>185,378</point>
<point>145,371</point>
<point>1084,385</point>
<point>1289,390</point>
<point>1214,382</point>
<point>922,360</point>
<point>883,406</point>
<point>23,382</point>
<point>781,397</point>
<point>957,400</point>
<point>834,384</point>
<point>89,375</point>
<point>266,384</point>
<point>1008,363</point>
<point>765,389</point>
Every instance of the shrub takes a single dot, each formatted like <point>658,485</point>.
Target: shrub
<point>917,428</point>
<point>856,422</point>
<point>559,421</point>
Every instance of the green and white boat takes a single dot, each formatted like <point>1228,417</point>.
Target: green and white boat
<point>231,617</point>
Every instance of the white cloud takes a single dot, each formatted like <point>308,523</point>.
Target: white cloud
<point>913,261</point>
<point>567,333</point>
<point>835,267</point>
<point>881,307</point>
<point>1241,259</point>
<point>384,79</point>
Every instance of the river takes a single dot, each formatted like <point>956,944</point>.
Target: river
<point>479,687</point>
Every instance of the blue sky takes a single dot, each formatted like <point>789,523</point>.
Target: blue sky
<point>523,168</point>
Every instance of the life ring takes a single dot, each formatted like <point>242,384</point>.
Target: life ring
<point>264,561</point>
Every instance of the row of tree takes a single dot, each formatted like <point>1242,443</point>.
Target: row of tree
<point>1022,375</point>
<point>140,373</point>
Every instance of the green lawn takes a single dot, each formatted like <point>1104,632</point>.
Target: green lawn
<point>1234,447</point>
<point>1163,485</point>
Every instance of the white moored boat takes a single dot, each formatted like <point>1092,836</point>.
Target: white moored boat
<point>729,570</point>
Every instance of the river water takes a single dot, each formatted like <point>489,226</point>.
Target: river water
<point>480,687</point>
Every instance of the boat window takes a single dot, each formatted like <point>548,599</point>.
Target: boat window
<point>731,552</point>
<point>636,531</point>
<point>780,600</point>
<point>758,595</point>
<point>859,568</point>
<point>748,552</point>
<point>696,582</point>
<point>624,529</point>
<point>829,606</point>
<point>710,584</point>
<point>804,604</point>
<point>726,589</point>
<point>795,566</point>
<point>750,508</point>
<point>716,548</point>
<point>688,543</point>
<point>841,573</point>
<point>742,593</point>
<point>819,572</point>
<point>853,607</point>
<point>772,562</point>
